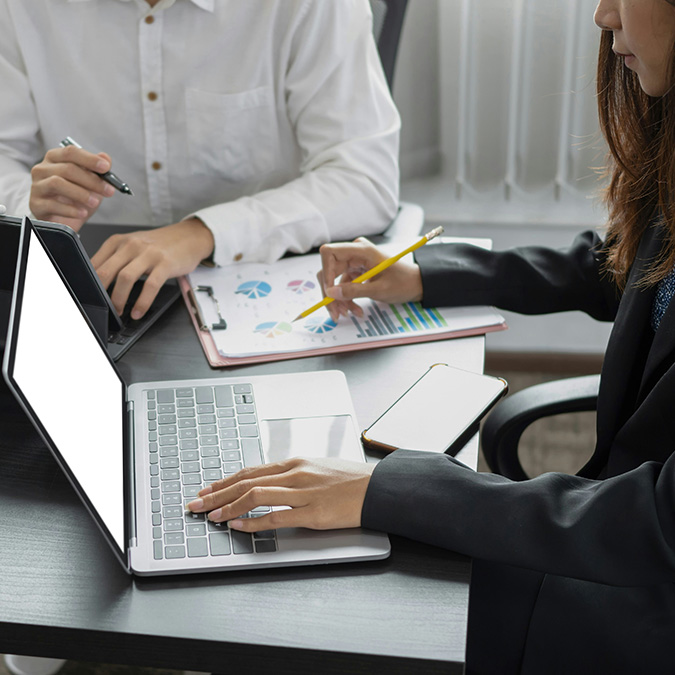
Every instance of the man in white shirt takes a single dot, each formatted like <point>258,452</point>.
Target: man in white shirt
<point>245,129</point>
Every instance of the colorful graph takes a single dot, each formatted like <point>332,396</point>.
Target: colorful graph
<point>254,289</point>
<point>407,318</point>
<point>273,329</point>
<point>299,286</point>
<point>320,325</point>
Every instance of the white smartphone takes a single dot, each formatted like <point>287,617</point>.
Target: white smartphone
<point>439,413</point>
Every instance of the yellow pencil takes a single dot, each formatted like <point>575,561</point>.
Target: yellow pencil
<point>376,270</point>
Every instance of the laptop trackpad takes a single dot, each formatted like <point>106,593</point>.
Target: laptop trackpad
<point>330,436</point>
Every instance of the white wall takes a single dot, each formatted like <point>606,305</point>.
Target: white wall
<point>426,92</point>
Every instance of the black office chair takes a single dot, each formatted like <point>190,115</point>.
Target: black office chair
<point>504,426</point>
<point>387,25</point>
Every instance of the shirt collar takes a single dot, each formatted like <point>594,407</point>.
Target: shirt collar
<point>207,5</point>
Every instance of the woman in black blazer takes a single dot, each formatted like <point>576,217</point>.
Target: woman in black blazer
<point>572,574</point>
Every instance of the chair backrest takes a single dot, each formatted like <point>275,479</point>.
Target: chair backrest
<point>387,25</point>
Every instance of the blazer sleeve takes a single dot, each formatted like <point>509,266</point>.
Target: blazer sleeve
<point>619,531</point>
<point>528,280</point>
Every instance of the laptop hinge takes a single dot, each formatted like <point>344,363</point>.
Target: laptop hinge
<point>131,474</point>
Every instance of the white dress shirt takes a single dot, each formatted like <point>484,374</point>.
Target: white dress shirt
<point>270,120</point>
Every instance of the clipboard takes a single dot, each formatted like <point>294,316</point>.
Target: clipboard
<point>225,304</point>
<point>216,359</point>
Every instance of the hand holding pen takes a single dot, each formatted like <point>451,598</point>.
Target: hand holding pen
<point>388,279</point>
<point>67,186</point>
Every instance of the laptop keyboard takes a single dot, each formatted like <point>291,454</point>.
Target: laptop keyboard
<point>198,435</point>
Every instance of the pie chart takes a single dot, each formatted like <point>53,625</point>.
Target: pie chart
<point>273,329</point>
<point>320,325</point>
<point>254,289</point>
<point>300,286</point>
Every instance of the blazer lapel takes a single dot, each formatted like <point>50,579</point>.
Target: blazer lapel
<point>625,353</point>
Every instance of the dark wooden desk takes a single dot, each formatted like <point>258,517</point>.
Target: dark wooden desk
<point>63,594</point>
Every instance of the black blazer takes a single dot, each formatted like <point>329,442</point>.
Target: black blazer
<point>600,545</point>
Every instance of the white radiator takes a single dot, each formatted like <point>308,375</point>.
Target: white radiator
<point>518,123</point>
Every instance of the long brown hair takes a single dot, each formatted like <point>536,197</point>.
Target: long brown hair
<point>640,133</point>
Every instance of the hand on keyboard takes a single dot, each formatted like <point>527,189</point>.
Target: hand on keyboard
<point>323,494</point>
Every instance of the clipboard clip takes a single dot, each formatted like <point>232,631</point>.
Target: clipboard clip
<point>221,324</point>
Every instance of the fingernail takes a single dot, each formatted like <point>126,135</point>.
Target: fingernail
<point>102,166</point>
<point>214,515</point>
<point>335,292</point>
<point>83,213</point>
<point>108,190</point>
<point>235,524</point>
<point>196,505</point>
<point>136,314</point>
<point>93,201</point>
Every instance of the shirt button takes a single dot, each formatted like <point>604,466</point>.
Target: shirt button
<point>152,96</point>
<point>149,19</point>
<point>238,257</point>
<point>156,166</point>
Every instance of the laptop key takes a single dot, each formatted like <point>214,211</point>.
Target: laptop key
<point>197,548</point>
<point>157,549</point>
<point>169,451</point>
<point>232,467</point>
<point>208,440</point>
<point>248,431</point>
<point>203,394</point>
<point>209,451</point>
<point>205,409</point>
<point>173,524</point>
<point>192,479</point>
<point>224,397</point>
<point>184,393</point>
<point>192,490</point>
<point>241,542</point>
<point>172,552</point>
<point>225,412</point>
<point>195,530</point>
<point>189,516</point>
<point>245,419</point>
<point>166,409</point>
<point>211,463</point>
<point>156,532</point>
<point>165,396</point>
<point>186,412</point>
<point>217,527</point>
<point>265,546</point>
<point>189,455</point>
<point>173,498</point>
<point>172,512</point>
<point>171,486</point>
<point>219,543</point>
<point>228,445</point>
<point>174,538</point>
<point>211,475</point>
<point>242,388</point>
<point>169,463</point>
<point>190,467</point>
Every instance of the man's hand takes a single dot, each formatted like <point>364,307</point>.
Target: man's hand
<point>341,263</point>
<point>161,254</point>
<point>65,186</point>
<point>323,494</point>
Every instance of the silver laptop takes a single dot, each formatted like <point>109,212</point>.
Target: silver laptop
<point>137,455</point>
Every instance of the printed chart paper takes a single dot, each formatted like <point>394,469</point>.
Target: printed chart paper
<point>258,303</point>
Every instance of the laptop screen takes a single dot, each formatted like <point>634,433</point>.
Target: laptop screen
<point>70,387</point>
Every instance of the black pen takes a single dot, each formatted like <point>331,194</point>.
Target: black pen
<point>108,176</point>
